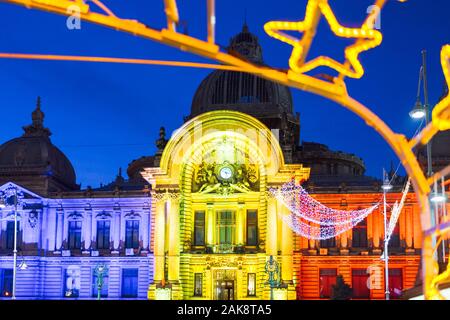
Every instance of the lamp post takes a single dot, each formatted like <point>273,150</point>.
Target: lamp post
<point>100,271</point>
<point>11,197</point>
<point>420,110</point>
<point>273,271</point>
<point>386,187</point>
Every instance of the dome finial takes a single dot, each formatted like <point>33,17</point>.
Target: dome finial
<point>38,116</point>
<point>245,26</point>
<point>37,127</point>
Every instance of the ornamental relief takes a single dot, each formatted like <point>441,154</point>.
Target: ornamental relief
<point>225,178</point>
<point>223,262</point>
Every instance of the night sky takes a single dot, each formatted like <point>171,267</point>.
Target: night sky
<point>105,115</point>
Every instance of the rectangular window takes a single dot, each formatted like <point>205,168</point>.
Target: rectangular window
<point>251,284</point>
<point>226,226</point>
<point>199,228</point>
<point>327,279</point>
<point>198,284</point>
<point>72,282</point>
<point>394,241</point>
<point>359,235</point>
<point>359,284</point>
<point>103,234</point>
<point>10,234</point>
<point>129,283</point>
<point>252,227</point>
<point>104,286</point>
<point>75,234</point>
<point>395,283</point>
<point>328,243</point>
<point>6,282</point>
<point>132,234</point>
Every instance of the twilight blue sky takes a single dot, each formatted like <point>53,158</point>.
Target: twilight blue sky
<point>104,115</point>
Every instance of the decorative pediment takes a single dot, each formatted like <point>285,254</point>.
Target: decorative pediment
<point>104,215</point>
<point>225,169</point>
<point>75,216</point>
<point>132,215</point>
<point>8,197</point>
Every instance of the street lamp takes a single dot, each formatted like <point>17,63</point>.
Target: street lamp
<point>273,271</point>
<point>386,187</point>
<point>420,110</point>
<point>10,197</point>
<point>100,271</point>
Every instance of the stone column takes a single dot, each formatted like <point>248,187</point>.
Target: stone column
<point>286,249</point>
<point>59,228</point>
<point>409,227</point>
<point>272,234</point>
<point>210,225</point>
<point>174,239</point>
<point>146,229</point>
<point>160,226</point>
<point>116,236</point>
<point>240,225</point>
<point>376,228</point>
<point>87,228</point>
<point>344,241</point>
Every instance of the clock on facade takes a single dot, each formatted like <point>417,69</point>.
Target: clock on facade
<point>226,173</point>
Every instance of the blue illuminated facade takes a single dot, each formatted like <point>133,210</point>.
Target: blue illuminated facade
<point>64,232</point>
<point>62,240</point>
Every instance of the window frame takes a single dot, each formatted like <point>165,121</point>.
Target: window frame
<point>136,276</point>
<point>253,225</point>
<point>135,234</point>
<point>253,275</point>
<point>360,241</point>
<point>363,275</point>
<point>77,232</point>
<point>101,241</point>
<point>199,228</point>
<point>198,276</point>
<point>6,280</point>
<point>323,276</point>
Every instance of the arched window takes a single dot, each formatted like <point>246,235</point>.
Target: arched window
<point>359,235</point>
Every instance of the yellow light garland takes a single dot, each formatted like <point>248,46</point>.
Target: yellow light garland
<point>441,112</point>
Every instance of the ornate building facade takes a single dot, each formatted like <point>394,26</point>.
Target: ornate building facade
<point>64,232</point>
<point>196,220</point>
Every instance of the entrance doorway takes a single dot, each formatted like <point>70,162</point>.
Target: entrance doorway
<point>224,284</point>
<point>225,290</point>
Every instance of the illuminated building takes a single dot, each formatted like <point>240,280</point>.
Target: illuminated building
<point>194,258</point>
<point>64,232</point>
<point>206,222</point>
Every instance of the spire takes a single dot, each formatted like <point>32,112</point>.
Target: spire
<point>37,129</point>
<point>245,26</point>
<point>162,141</point>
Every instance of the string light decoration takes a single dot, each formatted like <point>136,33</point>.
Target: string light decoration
<point>397,209</point>
<point>367,37</point>
<point>313,220</point>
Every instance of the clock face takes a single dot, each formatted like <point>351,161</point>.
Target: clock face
<point>226,173</point>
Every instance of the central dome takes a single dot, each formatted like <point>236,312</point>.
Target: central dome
<point>241,91</point>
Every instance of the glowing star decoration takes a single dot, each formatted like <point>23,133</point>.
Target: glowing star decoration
<point>441,112</point>
<point>366,37</point>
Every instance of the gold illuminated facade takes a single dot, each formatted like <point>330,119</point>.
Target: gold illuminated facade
<point>215,224</point>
